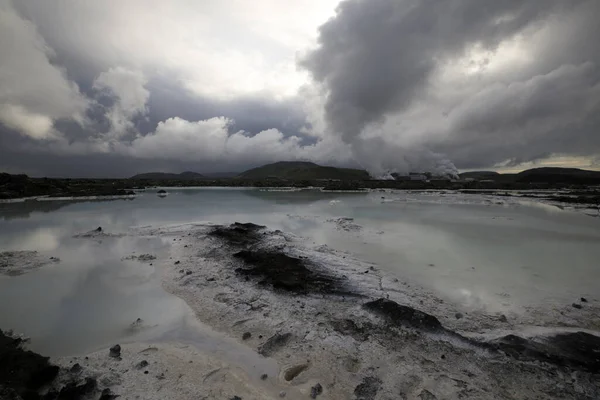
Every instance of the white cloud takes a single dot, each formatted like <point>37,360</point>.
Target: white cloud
<point>209,140</point>
<point>127,87</point>
<point>16,117</point>
<point>220,49</point>
<point>33,92</point>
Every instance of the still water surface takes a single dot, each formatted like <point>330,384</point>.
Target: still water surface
<point>474,250</point>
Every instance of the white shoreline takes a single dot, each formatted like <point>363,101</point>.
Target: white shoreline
<point>404,364</point>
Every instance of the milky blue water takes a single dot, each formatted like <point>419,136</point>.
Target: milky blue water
<point>475,250</point>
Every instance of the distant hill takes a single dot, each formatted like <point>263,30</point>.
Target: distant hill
<point>558,175</point>
<point>552,175</point>
<point>301,170</point>
<point>184,176</point>
<point>220,175</point>
<point>479,175</point>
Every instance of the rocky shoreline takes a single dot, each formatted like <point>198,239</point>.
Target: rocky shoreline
<point>23,186</point>
<point>354,331</point>
<point>338,327</point>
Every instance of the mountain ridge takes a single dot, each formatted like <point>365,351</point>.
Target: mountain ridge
<point>302,170</point>
<point>186,175</point>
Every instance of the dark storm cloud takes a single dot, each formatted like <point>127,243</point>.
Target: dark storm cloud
<point>377,59</point>
<point>408,86</point>
<point>377,54</point>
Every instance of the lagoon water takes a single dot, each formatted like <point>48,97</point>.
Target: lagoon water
<point>475,250</point>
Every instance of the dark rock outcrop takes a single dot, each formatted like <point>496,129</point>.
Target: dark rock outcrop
<point>115,351</point>
<point>22,371</point>
<point>238,234</point>
<point>368,388</point>
<point>404,316</point>
<point>286,273</point>
<point>577,350</point>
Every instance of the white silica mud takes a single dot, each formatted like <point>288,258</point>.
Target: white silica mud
<point>381,295</point>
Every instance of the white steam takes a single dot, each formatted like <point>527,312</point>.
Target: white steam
<point>381,159</point>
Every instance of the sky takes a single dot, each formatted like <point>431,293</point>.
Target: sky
<point>113,88</point>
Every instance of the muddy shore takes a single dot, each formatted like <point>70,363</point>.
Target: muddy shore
<point>338,328</point>
<point>336,321</point>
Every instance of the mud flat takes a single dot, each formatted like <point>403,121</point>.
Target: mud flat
<point>340,329</point>
<point>138,370</point>
<point>13,263</point>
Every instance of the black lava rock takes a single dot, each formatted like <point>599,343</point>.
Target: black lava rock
<point>399,315</point>
<point>76,368</point>
<point>72,391</point>
<point>316,390</point>
<point>115,351</point>
<point>367,389</point>
<point>107,394</point>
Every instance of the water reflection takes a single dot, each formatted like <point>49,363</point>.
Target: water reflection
<point>465,250</point>
<point>24,209</point>
<point>90,298</point>
<point>299,196</point>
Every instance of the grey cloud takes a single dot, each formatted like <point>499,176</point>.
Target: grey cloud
<point>96,102</point>
<point>374,56</point>
<point>377,60</point>
<point>252,114</point>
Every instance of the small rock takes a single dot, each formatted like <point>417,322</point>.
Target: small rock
<point>577,306</point>
<point>282,394</point>
<point>246,336</point>
<point>264,377</point>
<point>73,391</point>
<point>161,376</point>
<point>142,364</point>
<point>107,395</point>
<point>76,368</point>
<point>372,268</point>
<point>260,336</point>
<point>210,279</point>
<point>443,356</point>
<point>316,390</point>
<point>181,271</point>
<point>146,372</point>
<point>115,351</point>
<point>458,315</point>
<point>426,395</point>
<point>367,271</point>
<point>98,229</point>
<point>177,262</point>
<point>188,272</point>
<point>583,300</point>
<point>236,398</point>
<point>503,318</point>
